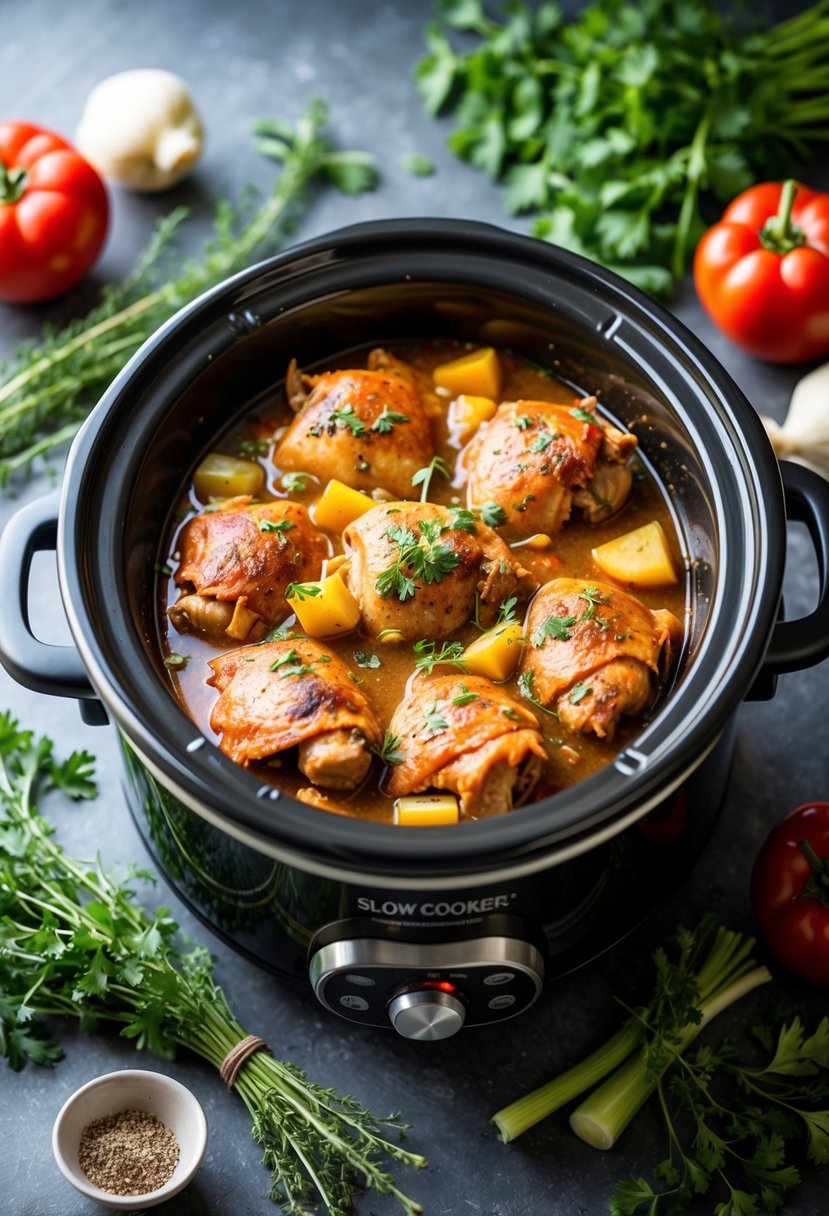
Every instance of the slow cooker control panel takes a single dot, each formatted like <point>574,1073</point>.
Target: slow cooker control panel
<point>427,990</point>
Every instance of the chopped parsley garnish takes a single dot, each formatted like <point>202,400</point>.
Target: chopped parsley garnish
<point>272,525</point>
<point>493,515</point>
<point>584,416</point>
<point>296,483</point>
<point>346,417</point>
<point>555,627</point>
<point>423,477</point>
<point>506,611</point>
<point>433,722</point>
<point>176,661</point>
<point>542,441</point>
<point>622,637</point>
<point>291,664</point>
<point>424,557</point>
<point>579,691</point>
<point>512,714</point>
<point>593,596</point>
<point>523,422</point>
<point>254,447</point>
<point>362,465</point>
<point>384,423</point>
<point>302,591</point>
<point>465,697</point>
<point>366,658</point>
<point>429,656</point>
<point>522,505</point>
<point>389,750</point>
<point>526,682</point>
<point>462,519</point>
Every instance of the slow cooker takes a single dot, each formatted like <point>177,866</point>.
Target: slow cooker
<point>426,929</point>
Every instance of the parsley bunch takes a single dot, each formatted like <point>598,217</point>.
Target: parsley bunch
<point>611,125</point>
<point>74,942</point>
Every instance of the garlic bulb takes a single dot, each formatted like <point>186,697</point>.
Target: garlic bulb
<point>804,436</point>
<point>141,129</point>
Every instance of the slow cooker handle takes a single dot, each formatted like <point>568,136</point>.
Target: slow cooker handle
<point>44,667</point>
<point>804,642</point>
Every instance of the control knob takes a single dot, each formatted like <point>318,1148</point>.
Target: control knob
<point>426,1013</point>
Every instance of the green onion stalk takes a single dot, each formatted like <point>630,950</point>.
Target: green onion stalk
<point>74,942</point>
<point>639,1053</point>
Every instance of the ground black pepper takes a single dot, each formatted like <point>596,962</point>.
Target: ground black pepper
<point>128,1153</point>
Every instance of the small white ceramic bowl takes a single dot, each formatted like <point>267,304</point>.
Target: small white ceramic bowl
<point>131,1089</point>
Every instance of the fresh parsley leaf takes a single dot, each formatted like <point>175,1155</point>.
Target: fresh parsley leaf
<point>390,751</point>
<point>347,417</point>
<point>280,526</point>
<point>423,477</point>
<point>433,720</point>
<point>493,515</point>
<point>302,591</point>
<point>465,697</point>
<point>429,657</point>
<point>366,658</point>
<point>384,423</point>
<point>296,483</point>
<point>556,627</point>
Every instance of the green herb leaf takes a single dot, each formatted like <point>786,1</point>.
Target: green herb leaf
<point>302,591</point>
<point>417,164</point>
<point>366,658</point>
<point>384,423</point>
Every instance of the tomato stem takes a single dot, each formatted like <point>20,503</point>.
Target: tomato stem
<point>12,183</point>
<point>778,233</point>
<point>817,884</point>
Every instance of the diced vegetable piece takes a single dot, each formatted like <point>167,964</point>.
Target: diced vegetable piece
<point>478,374</point>
<point>223,476</point>
<point>426,810</point>
<point>496,653</point>
<point>466,413</point>
<point>641,557</point>
<point>339,504</point>
<point>324,608</point>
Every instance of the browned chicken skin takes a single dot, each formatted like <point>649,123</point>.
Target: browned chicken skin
<point>236,563</point>
<point>366,427</point>
<point>294,693</point>
<point>535,456</point>
<point>465,734</point>
<point>595,653</point>
<point>411,569</point>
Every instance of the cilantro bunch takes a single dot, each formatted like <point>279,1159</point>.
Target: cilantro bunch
<point>75,943</point>
<point>611,125</point>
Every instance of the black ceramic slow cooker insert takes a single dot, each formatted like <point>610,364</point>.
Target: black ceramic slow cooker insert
<point>424,929</point>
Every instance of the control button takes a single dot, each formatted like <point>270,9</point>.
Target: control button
<point>427,1014</point>
<point>358,1003</point>
<point>499,977</point>
<point>503,1001</point>
<point>359,981</point>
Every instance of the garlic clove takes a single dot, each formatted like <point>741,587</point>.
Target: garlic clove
<point>804,435</point>
<point>141,129</point>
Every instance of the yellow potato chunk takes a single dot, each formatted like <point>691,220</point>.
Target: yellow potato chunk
<point>466,413</point>
<point>426,810</point>
<point>495,654</point>
<point>641,557</point>
<point>324,608</point>
<point>477,374</point>
<point>339,505</point>
<point>222,476</point>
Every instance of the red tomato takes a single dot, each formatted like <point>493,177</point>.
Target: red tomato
<point>54,213</point>
<point>762,272</point>
<point>790,891</point>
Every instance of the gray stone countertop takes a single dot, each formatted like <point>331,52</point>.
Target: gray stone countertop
<point>269,57</point>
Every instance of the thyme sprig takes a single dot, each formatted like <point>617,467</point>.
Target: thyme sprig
<point>74,942</point>
<point>54,383</point>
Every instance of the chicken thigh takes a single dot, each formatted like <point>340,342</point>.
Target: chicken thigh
<point>465,734</point>
<point>534,456</point>
<point>236,563</point>
<point>421,569</point>
<point>294,693</point>
<point>595,653</point>
<point>366,427</point>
